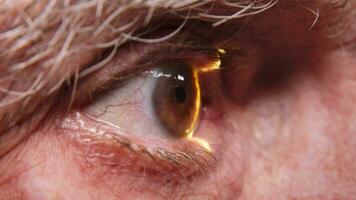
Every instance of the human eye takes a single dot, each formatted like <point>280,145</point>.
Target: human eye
<point>162,109</point>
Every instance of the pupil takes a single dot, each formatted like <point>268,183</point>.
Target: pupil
<point>180,94</point>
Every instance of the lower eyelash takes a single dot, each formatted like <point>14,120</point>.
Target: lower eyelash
<point>102,145</point>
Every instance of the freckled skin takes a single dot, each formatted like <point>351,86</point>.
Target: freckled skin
<point>298,144</point>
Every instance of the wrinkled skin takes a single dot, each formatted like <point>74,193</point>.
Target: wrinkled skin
<point>293,139</point>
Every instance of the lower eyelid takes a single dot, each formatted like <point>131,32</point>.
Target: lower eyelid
<point>102,146</point>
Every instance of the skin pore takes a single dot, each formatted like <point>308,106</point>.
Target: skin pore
<point>281,123</point>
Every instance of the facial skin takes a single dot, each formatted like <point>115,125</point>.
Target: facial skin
<point>281,128</point>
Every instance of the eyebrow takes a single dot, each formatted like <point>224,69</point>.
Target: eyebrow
<point>43,45</point>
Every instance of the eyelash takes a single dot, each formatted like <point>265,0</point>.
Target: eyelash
<point>109,148</point>
<point>194,53</point>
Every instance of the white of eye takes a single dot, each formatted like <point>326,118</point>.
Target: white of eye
<point>130,105</point>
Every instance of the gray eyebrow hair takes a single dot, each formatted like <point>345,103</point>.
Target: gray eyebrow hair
<point>44,43</point>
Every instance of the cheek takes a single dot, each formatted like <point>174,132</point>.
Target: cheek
<point>48,169</point>
<point>302,139</point>
<point>52,169</point>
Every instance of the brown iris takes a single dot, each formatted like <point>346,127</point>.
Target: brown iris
<point>176,97</point>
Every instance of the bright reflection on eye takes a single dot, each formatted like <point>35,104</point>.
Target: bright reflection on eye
<point>161,103</point>
<point>213,65</point>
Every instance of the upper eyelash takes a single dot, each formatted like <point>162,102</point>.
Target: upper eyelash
<point>164,51</point>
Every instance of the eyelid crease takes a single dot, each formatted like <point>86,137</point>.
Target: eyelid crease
<point>104,145</point>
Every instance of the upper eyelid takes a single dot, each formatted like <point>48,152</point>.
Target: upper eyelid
<point>183,40</point>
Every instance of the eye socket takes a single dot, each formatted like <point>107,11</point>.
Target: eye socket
<point>176,97</point>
